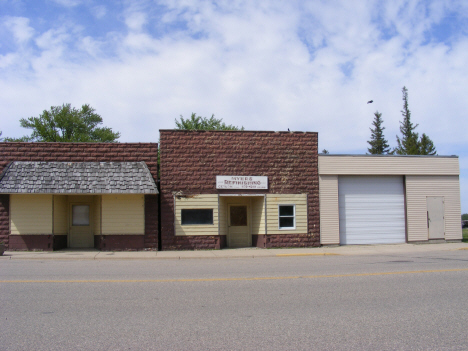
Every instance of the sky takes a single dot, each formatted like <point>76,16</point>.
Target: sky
<point>264,65</point>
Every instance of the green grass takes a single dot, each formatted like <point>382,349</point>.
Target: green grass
<point>465,235</point>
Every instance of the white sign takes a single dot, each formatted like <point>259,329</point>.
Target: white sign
<point>241,182</point>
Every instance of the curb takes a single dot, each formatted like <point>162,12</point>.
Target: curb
<point>308,254</point>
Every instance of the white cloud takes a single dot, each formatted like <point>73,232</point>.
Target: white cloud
<point>135,21</point>
<point>271,65</point>
<point>19,27</point>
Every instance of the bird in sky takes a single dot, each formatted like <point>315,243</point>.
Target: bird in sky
<point>370,101</point>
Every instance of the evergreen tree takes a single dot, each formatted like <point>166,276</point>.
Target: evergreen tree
<point>379,145</point>
<point>426,146</point>
<point>408,144</point>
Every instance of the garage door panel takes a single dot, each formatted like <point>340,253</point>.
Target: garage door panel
<point>371,210</point>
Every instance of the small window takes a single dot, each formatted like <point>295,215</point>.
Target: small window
<point>287,216</point>
<point>238,216</point>
<point>80,215</point>
<point>197,216</point>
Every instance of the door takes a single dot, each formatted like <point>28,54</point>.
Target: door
<point>239,226</point>
<point>371,210</point>
<point>81,231</point>
<point>435,217</point>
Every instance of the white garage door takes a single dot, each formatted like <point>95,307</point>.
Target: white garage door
<point>372,210</point>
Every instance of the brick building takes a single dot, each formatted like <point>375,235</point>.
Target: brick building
<point>238,189</point>
<point>58,195</point>
<point>221,189</point>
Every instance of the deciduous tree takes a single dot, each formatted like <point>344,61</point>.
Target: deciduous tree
<point>67,124</point>
<point>203,123</point>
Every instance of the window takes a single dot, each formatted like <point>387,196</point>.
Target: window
<point>238,216</point>
<point>287,216</point>
<point>198,216</point>
<point>80,215</point>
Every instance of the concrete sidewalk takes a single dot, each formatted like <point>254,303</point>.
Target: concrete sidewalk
<point>70,254</point>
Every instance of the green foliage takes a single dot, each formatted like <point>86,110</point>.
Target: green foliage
<point>325,152</point>
<point>426,146</point>
<point>67,124</point>
<point>379,145</point>
<point>465,216</point>
<point>203,123</point>
<point>465,235</point>
<point>408,144</point>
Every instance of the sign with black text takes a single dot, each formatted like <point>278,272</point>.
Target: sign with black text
<point>241,182</point>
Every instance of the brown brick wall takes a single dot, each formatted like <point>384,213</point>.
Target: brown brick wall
<point>81,152</point>
<point>191,160</point>
<point>5,219</point>
<point>151,222</point>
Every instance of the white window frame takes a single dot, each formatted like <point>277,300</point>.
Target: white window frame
<point>293,216</point>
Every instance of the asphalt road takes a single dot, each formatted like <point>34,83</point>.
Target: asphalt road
<point>386,302</point>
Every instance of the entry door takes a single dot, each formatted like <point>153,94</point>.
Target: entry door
<point>435,217</point>
<point>81,231</point>
<point>239,226</point>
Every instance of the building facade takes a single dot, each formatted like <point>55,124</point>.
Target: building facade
<point>375,199</point>
<point>238,189</point>
<point>78,195</point>
<point>221,189</point>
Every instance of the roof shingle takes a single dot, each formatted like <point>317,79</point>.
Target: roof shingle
<point>23,177</point>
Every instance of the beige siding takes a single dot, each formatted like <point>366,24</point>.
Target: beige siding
<point>206,201</point>
<point>256,212</point>
<point>31,214</point>
<point>60,214</point>
<point>388,165</point>
<point>329,210</point>
<point>417,189</point>
<point>273,200</point>
<point>97,215</point>
<point>222,215</point>
<point>80,198</point>
<point>258,215</point>
<point>123,214</point>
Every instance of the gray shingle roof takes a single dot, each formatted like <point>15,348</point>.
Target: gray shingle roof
<point>77,178</point>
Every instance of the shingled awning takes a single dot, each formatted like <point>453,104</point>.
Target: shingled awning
<point>24,177</point>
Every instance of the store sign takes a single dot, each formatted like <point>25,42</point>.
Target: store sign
<point>241,182</point>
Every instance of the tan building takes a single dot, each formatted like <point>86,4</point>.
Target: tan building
<point>370,199</point>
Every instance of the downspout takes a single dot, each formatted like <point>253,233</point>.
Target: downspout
<point>158,185</point>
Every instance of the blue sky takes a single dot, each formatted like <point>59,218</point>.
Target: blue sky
<point>269,65</point>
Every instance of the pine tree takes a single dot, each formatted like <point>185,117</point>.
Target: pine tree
<point>379,145</point>
<point>426,146</point>
<point>408,144</point>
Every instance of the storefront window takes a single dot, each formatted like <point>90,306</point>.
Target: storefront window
<point>197,216</point>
